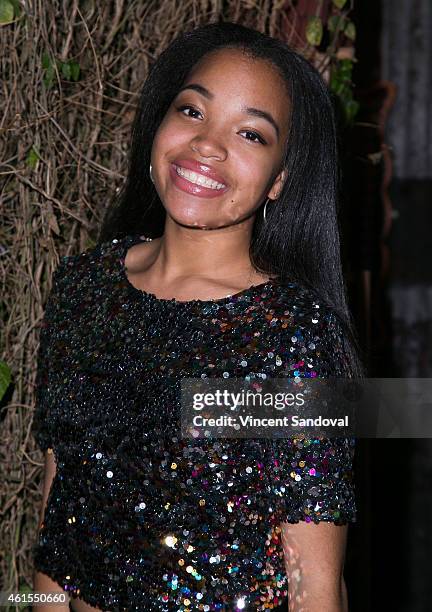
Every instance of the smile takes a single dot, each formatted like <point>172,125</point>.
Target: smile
<point>198,179</point>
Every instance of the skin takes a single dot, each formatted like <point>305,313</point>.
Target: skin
<point>41,582</point>
<point>204,254</point>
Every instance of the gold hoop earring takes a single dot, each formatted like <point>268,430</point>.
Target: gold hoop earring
<point>265,210</point>
<point>265,207</point>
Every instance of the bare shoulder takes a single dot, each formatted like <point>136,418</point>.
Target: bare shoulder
<point>140,256</point>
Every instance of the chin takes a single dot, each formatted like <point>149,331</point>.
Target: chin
<point>193,223</point>
<point>190,219</point>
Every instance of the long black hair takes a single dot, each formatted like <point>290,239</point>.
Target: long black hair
<point>300,239</point>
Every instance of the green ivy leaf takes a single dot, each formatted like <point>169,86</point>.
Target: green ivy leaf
<point>5,378</point>
<point>75,70</point>
<point>24,590</point>
<point>66,70</point>
<point>49,76</point>
<point>70,70</point>
<point>90,243</point>
<point>345,68</point>
<point>48,64</point>
<point>6,12</point>
<point>17,7</point>
<point>314,31</point>
<point>341,73</point>
<point>333,23</point>
<point>32,158</point>
<point>350,30</point>
<point>340,84</point>
<point>351,110</point>
<point>339,3</point>
<point>46,60</point>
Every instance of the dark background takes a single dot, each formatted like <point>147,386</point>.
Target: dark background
<point>388,556</point>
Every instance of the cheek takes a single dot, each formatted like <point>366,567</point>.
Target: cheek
<point>252,173</point>
<point>168,137</point>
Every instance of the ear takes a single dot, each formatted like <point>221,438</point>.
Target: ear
<point>276,188</point>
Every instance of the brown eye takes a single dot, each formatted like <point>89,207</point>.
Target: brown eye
<point>186,107</point>
<point>255,135</point>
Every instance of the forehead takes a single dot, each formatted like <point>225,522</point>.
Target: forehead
<point>232,74</point>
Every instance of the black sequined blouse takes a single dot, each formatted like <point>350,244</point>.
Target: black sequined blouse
<point>137,517</point>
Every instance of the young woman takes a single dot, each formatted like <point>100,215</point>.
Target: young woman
<point>220,259</point>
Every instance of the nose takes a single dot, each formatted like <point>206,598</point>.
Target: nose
<point>209,145</point>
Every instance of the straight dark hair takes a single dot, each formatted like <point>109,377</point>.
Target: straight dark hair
<point>300,239</point>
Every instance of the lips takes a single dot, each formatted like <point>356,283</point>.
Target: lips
<point>194,189</point>
<point>204,169</point>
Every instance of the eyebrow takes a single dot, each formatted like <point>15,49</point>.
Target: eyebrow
<point>255,112</point>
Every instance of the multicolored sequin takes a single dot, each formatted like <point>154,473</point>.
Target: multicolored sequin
<point>138,518</point>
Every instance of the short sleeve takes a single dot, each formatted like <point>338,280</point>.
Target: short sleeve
<point>41,424</point>
<point>312,479</point>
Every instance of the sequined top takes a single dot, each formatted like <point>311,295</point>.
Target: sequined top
<point>137,517</point>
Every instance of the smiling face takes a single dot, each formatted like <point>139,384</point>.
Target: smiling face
<point>218,152</point>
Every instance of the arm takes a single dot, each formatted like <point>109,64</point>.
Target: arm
<point>314,559</point>
<point>50,472</point>
<point>316,481</point>
<point>41,582</point>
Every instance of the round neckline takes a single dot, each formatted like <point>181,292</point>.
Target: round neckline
<point>130,241</point>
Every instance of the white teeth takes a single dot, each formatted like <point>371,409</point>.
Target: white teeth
<point>198,179</point>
